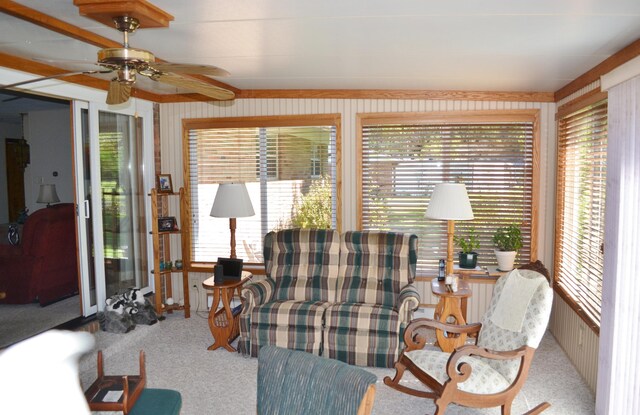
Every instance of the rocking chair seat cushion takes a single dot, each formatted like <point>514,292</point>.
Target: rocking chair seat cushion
<point>483,380</point>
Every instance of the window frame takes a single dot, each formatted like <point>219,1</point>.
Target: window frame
<point>303,120</point>
<point>578,104</point>
<point>443,117</point>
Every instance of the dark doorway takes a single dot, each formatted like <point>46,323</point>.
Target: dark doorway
<point>17,158</point>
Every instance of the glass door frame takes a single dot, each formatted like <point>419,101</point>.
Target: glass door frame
<point>143,109</point>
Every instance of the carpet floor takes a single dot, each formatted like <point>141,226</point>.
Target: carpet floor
<point>220,382</point>
<point>20,321</point>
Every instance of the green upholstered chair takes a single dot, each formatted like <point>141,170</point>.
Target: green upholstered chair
<point>157,402</point>
<point>295,382</point>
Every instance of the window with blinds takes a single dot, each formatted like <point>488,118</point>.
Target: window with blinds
<point>290,173</point>
<point>493,155</point>
<point>582,156</point>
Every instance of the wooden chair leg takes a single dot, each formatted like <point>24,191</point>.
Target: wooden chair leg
<point>538,409</point>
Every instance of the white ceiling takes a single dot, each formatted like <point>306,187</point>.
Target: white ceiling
<point>488,45</point>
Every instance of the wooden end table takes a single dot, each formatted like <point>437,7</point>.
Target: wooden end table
<point>450,305</point>
<point>225,322</point>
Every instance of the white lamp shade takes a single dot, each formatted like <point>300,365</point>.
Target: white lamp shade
<point>232,201</point>
<point>48,194</point>
<point>449,201</point>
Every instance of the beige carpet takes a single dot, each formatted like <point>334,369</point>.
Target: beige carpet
<point>219,382</point>
<point>18,322</point>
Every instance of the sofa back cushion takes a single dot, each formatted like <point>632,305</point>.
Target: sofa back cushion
<point>303,263</point>
<point>374,266</point>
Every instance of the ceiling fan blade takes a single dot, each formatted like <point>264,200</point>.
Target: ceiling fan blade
<point>195,86</point>
<point>119,93</point>
<point>188,68</point>
<point>44,78</point>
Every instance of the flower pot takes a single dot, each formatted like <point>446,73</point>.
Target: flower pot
<point>505,260</point>
<point>467,261</point>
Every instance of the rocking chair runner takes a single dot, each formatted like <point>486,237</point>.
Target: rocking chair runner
<point>491,372</point>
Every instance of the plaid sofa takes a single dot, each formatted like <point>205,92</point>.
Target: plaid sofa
<point>347,297</point>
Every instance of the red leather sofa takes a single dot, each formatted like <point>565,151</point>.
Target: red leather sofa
<point>43,266</point>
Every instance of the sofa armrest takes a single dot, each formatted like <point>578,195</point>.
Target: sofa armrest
<point>7,250</point>
<point>257,293</point>
<point>408,302</point>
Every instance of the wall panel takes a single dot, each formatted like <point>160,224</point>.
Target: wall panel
<point>171,116</point>
<point>578,341</point>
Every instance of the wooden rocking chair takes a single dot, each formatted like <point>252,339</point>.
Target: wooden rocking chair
<point>491,372</point>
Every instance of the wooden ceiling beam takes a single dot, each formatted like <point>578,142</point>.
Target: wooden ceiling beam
<point>104,11</point>
<point>51,23</point>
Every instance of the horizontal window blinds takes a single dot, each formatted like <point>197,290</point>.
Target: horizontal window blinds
<point>582,154</point>
<point>401,163</point>
<point>290,174</point>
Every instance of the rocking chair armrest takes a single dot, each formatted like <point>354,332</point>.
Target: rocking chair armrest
<point>461,372</point>
<point>414,341</point>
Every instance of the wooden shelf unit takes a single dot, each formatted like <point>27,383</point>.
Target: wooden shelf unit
<point>165,291</point>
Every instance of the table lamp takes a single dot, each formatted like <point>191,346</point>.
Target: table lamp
<point>450,202</point>
<point>232,201</point>
<point>48,194</point>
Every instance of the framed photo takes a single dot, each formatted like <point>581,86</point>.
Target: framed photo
<point>163,183</point>
<point>167,224</point>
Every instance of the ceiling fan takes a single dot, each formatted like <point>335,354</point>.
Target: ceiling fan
<point>129,62</point>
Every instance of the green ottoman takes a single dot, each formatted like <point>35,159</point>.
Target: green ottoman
<point>157,402</point>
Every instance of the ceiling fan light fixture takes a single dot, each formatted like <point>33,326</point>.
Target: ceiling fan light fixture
<point>126,75</point>
<point>122,56</point>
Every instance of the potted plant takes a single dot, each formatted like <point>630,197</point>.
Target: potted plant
<point>467,257</point>
<point>508,240</point>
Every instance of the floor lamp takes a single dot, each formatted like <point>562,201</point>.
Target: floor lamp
<point>232,201</point>
<point>450,202</point>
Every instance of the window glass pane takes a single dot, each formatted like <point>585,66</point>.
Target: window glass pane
<point>401,163</point>
<point>582,153</point>
<point>289,173</point>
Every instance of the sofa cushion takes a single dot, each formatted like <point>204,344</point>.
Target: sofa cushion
<point>361,334</point>
<point>303,263</point>
<point>291,324</point>
<point>374,266</point>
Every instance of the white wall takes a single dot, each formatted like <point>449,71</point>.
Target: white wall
<point>171,116</point>
<point>49,135</point>
<point>7,130</point>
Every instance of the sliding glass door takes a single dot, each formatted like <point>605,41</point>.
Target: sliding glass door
<point>111,162</point>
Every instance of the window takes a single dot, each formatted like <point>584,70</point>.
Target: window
<point>288,164</point>
<point>403,156</point>
<point>582,154</point>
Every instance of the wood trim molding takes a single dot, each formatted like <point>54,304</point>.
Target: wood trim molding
<point>625,54</point>
<point>447,116</point>
<point>261,121</point>
<point>582,101</point>
<point>576,308</point>
<point>397,94</point>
